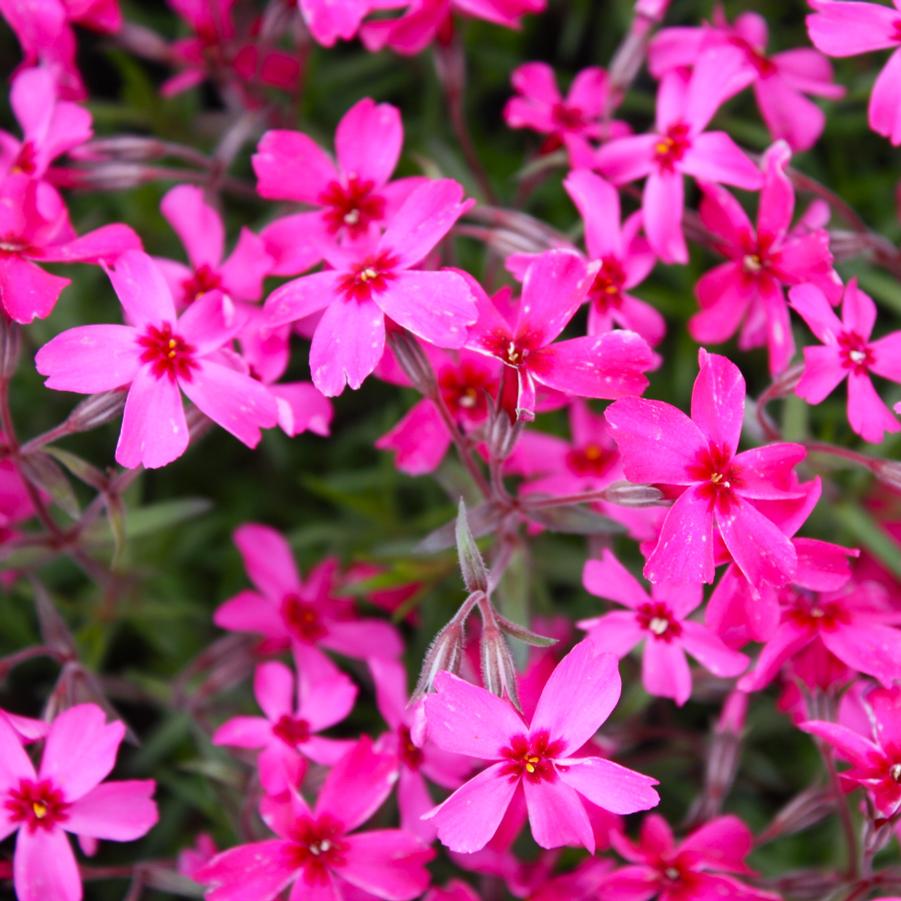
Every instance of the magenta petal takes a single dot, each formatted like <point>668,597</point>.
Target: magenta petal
<point>368,140</point>
<point>388,863</point>
<point>608,578</point>
<point>26,291</point>
<point>117,811</point>
<point>715,157</point>
<point>788,113</point>
<point>787,641</point>
<point>364,638</point>
<point>154,431</point>
<point>657,441</point>
<point>766,473</point>
<point>81,749</point>
<point>724,215</point>
<point>665,672</point>
<point>259,871</point>
<point>104,244</point>
<point>294,242</point>
<point>465,719</point>
<point>196,223</point>
<point>887,357</point>
<point>326,702</point>
<point>301,297</point>
<point>849,745</point>
<point>44,867</point>
<point>840,28</point>
<point>243,732</point>
<point>233,400</point>
<point>211,321</point>
<point>273,687</point>
<point>553,289</point>
<point>867,412</point>
<point>142,290</point>
<point>885,100</point>
<point>614,633</point>
<point>811,304</point>
<point>329,21</point>
<point>868,647</point>
<point>347,345</point>
<point>762,551</point>
<point>248,612</point>
<point>419,441</point>
<point>626,159</point>
<point>557,815</point>
<point>468,819</point>
<point>425,217</point>
<point>718,401</point>
<point>710,651</point>
<point>684,550</point>
<point>268,559</point>
<point>598,203</point>
<point>722,843</point>
<point>611,786</point>
<point>291,166</point>
<point>823,373</point>
<point>724,295</point>
<point>14,762</point>
<point>578,697</point>
<point>434,306</point>
<point>858,310</point>
<point>90,359</point>
<point>662,207</point>
<point>244,270</point>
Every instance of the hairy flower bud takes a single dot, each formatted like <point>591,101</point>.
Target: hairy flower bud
<point>96,410</point>
<point>9,346</point>
<point>412,359</point>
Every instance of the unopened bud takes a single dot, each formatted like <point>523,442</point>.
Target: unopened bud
<point>412,359</point>
<point>786,383</point>
<point>444,655</point>
<point>498,669</point>
<point>503,433</point>
<point>475,574</point>
<point>96,410</point>
<point>888,471</point>
<point>625,494</point>
<point>9,346</point>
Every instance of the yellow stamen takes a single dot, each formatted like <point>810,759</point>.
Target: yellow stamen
<point>40,810</point>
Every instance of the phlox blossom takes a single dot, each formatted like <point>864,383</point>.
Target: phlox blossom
<point>534,758</point>
<point>157,356</point>
<point>67,794</point>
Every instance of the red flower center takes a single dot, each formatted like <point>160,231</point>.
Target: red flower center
<point>566,117</point>
<point>203,279</point>
<point>319,846</point>
<point>606,289</point>
<point>167,353</point>
<point>39,805</point>
<point>371,276</point>
<point>855,354</point>
<point>351,207</point>
<point>717,474</point>
<point>26,161</point>
<point>658,619</point>
<point>302,619</point>
<point>465,389</point>
<point>411,756</point>
<point>532,757</point>
<point>671,146</point>
<point>589,460</point>
<point>813,613</point>
<point>292,731</point>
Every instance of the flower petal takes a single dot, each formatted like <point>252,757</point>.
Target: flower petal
<point>368,141</point>
<point>718,400</point>
<point>759,547</point>
<point>557,815</point>
<point>684,550</point>
<point>291,166</point>
<point>665,672</point>
<point>611,786</point>
<point>44,867</point>
<point>142,289</point>
<point>90,359</point>
<point>115,811</point>
<point>196,223</point>
<point>608,578</point>
<point>387,863</point>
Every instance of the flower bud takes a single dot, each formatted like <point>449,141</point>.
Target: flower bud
<point>625,494</point>
<point>475,574</point>
<point>412,359</point>
<point>444,654</point>
<point>498,670</point>
<point>9,346</point>
<point>96,410</point>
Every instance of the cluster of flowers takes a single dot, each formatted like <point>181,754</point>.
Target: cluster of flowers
<point>380,304</point>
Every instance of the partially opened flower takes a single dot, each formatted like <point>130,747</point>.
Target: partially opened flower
<point>534,758</point>
<point>680,146</point>
<point>318,851</point>
<point>848,351</point>
<point>286,735</point>
<point>838,28</point>
<point>719,486</point>
<point>67,794</point>
<point>605,366</point>
<point>158,356</point>
<point>661,622</point>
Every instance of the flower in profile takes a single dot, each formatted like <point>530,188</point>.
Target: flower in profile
<point>286,735</point>
<point>534,758</point>
<point>848,351</point>
<point>604,366</point>
<point>719,487</point>
<point>157,356</point>
<point>571,122</point>
<point>318,851</point>
<point>762,259</point>
<point>680,146</point>
<point>704,865</point>
<point>661,622</point>
<point>369,282</point>
<point>67,794</point>
<point>838,28</point>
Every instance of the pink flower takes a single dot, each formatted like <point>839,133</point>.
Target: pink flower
<point>35,228</point>
<point>837,28</point>
<point>680,146</point>
<point>854,623</point>
<point>158,356</point>
<point>848,352</point>
<point>780,81</point>
<point>288,611</point>
<point>749,287</point>
<point>661,868</point>
<point>317,850</point>
<point>533,758</point>
<point>328,21</point>
<point>660,444</point>
<point>625,260</point>
<point>354,195</point>
<point>66,795</point>
<point>202,232</point>
<point>874,753</point>
<point>50,126</point>
<point>554,287</point>
<point>661,621</point>
<point>368,283</point>
<point>572,122</point>
<point>286,734</point>
<point>428,20</point>
<point>191,859</point>
<point>414,759</point>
